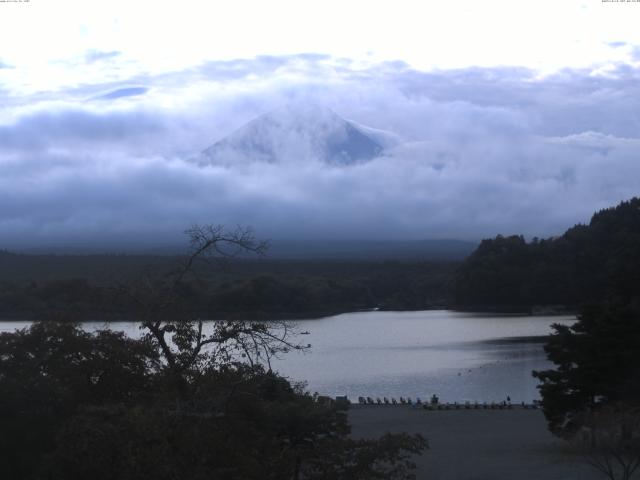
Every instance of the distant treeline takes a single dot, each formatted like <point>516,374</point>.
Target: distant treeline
<point>584,266</point>
<point>95,286</point>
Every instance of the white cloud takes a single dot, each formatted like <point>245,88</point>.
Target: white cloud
<point>488,151</point>
<point>56,44</point>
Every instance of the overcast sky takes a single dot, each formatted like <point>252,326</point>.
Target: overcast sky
<point>514,116</point>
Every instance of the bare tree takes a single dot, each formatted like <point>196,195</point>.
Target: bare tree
<point>184,340</point>
<point>609,441</point>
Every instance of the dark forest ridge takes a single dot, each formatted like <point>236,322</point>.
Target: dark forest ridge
<point>584,265</point>
<point>286,248</point>
<point>108,267</point>
<point>33,286</point>
<point>294,279</point>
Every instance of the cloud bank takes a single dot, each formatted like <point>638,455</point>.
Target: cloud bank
<point>484,151</point>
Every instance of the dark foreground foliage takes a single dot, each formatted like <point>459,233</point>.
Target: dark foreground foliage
<point>592,396</point>
<point>598,358</point>
<point>187,400</point>
<point>77,405</point>
<point>597,363</point>
<point>48,372</point>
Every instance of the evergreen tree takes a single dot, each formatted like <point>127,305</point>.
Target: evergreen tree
<point>597,363</point>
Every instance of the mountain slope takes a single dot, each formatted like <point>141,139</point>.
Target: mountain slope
<point>587,264</point>
<point>299,133</point>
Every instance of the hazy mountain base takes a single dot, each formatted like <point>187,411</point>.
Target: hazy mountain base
<point>90,287</point>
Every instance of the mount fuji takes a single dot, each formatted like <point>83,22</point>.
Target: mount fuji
<point>303,132</point>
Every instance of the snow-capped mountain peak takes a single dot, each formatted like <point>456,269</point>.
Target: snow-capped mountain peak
<point>296,133</point>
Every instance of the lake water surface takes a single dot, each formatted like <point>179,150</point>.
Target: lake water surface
<point>458,356</point>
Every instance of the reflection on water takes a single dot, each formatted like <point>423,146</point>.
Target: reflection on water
<point>452,354</point>
<point>414,354</point>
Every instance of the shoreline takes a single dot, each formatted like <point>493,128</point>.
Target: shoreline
<point>448,406</point>
<point>311,315</point>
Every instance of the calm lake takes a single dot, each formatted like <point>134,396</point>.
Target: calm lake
<point>458,356</point>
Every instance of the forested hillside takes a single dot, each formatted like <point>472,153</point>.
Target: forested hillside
<point>90,287</point>
<point>585,265</point>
